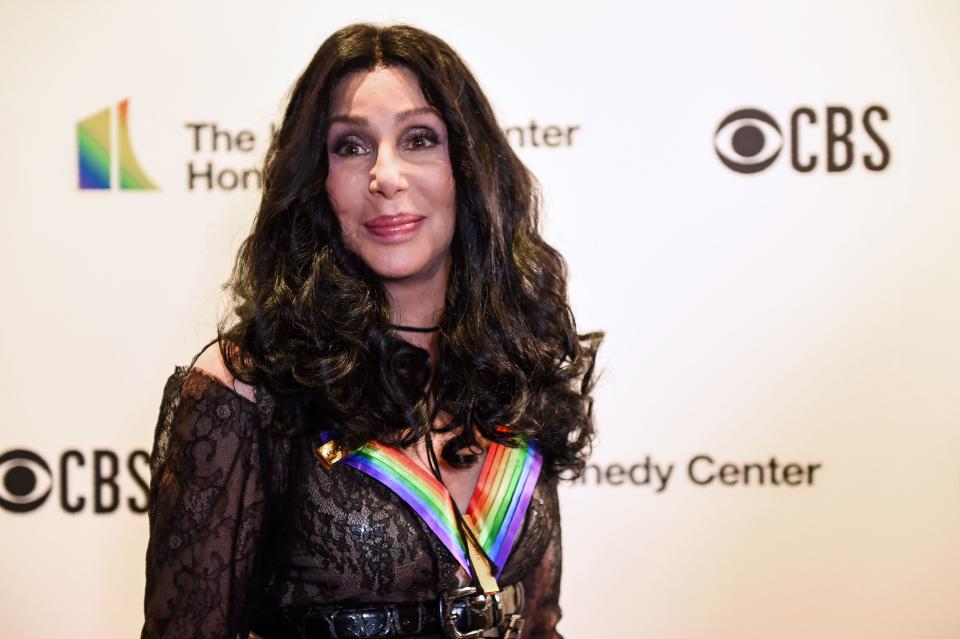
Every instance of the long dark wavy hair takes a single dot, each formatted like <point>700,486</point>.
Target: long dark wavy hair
<point>311,322</point>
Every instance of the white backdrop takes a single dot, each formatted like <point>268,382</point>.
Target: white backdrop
<point>811,317</point>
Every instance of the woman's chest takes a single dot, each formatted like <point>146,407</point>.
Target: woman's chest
<point>460,483</point>
<point>349,535</point>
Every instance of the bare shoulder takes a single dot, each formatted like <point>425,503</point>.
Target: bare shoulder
<point>211,362</point>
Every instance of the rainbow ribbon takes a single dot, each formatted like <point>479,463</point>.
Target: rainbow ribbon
<point>496,510</point>
<point>501,497</point>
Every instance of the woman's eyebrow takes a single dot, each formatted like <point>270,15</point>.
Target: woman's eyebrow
<point>349,119</point>
<point>398,118</point>
<point>409,113</point>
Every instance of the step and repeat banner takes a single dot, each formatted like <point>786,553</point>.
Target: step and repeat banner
<point>759,203</point>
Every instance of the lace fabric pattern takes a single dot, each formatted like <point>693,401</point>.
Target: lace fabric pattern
<point>246,526</point>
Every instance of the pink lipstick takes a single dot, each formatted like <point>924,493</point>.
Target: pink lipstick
<point>397,226</point>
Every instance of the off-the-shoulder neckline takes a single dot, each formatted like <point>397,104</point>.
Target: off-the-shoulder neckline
<point>219,382</point>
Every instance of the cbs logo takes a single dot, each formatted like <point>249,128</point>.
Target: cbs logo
<point>26,481</point>
<point>749,140</point>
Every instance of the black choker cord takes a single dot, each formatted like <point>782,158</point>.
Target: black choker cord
<point>415,329</point>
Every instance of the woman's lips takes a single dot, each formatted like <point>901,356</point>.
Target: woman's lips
<point>396,226</point>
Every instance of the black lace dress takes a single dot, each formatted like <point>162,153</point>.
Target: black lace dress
<point>246,525</point>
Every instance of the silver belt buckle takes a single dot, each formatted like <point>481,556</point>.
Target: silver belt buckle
<point>477,602</point>
<point>508,626</point>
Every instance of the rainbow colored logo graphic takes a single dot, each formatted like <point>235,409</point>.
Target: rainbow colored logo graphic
<point>95,153</point>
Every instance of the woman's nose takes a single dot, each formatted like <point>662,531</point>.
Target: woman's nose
<point>387,175</point>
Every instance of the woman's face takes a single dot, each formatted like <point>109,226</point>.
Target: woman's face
<point>390,181</point>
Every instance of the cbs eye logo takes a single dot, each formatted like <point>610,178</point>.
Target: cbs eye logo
<point>25,481</point>
<point>750,140</point>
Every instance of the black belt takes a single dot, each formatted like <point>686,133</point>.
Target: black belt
<point>458,614</point>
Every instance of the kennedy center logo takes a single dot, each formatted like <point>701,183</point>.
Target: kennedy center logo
<point>101,163</point>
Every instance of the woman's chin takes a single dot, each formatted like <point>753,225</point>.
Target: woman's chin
<point>409,271</point>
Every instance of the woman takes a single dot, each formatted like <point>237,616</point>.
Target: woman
<point>372,448</point>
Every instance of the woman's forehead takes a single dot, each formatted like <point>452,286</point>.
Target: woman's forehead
<point>390,89</point>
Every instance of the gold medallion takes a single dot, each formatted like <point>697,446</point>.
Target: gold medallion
<point>330,453</point>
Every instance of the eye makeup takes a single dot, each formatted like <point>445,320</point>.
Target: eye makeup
<point>415,138</point>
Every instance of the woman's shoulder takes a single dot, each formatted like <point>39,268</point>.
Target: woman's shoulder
<point>210,362</point>
<point>202,403</point>
<point>206,386</point>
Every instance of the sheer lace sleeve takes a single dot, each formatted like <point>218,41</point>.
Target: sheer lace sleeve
<point>542,584</point>
<point>206,511</point>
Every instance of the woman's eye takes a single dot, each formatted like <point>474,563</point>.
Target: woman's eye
<point>420,138</point>
<point>349,147</point>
